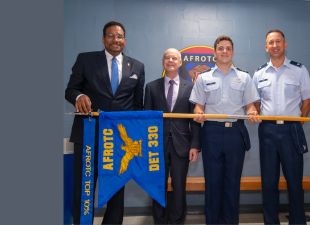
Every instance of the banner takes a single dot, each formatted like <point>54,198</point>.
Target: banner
<point>87,195</point>
<point>131,147</point>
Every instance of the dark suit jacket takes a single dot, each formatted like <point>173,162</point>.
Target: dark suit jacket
<point>184,132</point>
<point>90,76</point>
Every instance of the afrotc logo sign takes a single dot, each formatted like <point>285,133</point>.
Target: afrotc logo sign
<point>195,60</point>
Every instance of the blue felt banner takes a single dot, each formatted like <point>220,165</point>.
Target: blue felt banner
<point>87,195</point>
<point>131,147</point>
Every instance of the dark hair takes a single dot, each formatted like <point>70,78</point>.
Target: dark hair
<point>276,31</point>
<point>223,38</point>
<point>110,24</point>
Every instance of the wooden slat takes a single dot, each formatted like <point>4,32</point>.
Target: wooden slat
<point>246,183</point>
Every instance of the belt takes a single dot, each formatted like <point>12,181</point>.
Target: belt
<point>279,122</point>
<point>224,124</point>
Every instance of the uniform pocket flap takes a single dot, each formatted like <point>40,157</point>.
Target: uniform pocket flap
<point>263,83</point>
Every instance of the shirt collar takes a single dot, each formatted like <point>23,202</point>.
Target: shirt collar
<point>119,57</point>
<point>232,68</point>
<point>176,80</point>
<point>286,63</point>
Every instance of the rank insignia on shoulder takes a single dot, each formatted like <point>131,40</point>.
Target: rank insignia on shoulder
<point>295,63</point>
<point>241,70</point>
<point>261,67</point>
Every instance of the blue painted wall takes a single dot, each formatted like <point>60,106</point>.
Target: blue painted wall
<point>153,26</point>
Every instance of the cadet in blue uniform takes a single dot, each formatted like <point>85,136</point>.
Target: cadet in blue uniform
<point>284,89</point>
<point>225,89</point>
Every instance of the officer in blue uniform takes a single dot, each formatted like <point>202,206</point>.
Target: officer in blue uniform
<point>284,89</point>
<point>224,89</point>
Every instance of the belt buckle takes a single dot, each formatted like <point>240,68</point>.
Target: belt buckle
<point>228,124</point>
<point>280,122</point>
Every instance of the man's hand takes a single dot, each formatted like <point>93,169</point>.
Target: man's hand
<point>251,111</point>
<point>199,110</point>
<point>253,117</point>
<point>193,154</point>
<point>83,104</point>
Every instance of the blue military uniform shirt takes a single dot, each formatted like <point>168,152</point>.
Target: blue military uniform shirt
<point>282,89</point>
<point>224,94</point>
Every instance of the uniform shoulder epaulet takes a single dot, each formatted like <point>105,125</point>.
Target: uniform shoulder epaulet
<point>261,67</point>
<point>295,63</point>
<point>241,70</point>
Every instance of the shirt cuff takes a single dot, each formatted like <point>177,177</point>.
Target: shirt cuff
<point>77,97</point>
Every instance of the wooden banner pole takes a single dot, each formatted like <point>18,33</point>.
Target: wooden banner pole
<point>216,116</point>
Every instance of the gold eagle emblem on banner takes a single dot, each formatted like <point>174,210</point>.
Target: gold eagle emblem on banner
<point>132,148</point>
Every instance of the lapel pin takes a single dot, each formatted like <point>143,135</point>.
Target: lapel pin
<point>128,64</point>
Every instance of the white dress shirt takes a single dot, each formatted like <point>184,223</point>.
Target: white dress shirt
<point>175,89</point>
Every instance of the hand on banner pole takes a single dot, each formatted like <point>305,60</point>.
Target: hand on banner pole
<point>253,117</point>
<point>199,111</point>
<point>252,113</point>
<point>83,104</point>
<point>199,117</point>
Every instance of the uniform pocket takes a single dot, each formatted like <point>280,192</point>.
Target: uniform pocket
<point>237,89</point>
<point>212,91</point>
<point>264,89</point>
<point>291,88</point>
<point>245,136</point>
<point>299,138</point>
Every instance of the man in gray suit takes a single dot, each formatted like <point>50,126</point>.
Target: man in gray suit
<point>104,80</point>
<point>181,136</point>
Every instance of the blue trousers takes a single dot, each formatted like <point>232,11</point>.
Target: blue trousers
<point>223,151</point>
<point>277,147</point>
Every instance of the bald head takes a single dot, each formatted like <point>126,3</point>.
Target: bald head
<point>172,62</point>
<point>172,51</point>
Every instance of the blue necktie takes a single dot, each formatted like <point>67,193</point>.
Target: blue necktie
<point>114,75</point>
<point>170,94</point>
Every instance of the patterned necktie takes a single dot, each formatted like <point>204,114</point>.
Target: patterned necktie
<point>114,75</point>
<point>170,94</point>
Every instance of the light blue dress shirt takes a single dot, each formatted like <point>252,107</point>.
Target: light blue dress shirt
<point>282,89</point>
<point>175,89</point>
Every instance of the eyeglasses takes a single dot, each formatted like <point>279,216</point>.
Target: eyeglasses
<point>114,36</point>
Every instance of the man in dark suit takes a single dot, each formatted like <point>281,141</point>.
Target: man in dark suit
<point>104,80</point>
<point>181,136</point>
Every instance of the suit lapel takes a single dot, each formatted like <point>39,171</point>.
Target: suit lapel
<point>126,68</point>
<point>180,93</point>
<point>104,72</point>
<point>161,90</point>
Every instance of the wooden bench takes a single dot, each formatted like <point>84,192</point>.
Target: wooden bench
<point>197,184</point>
